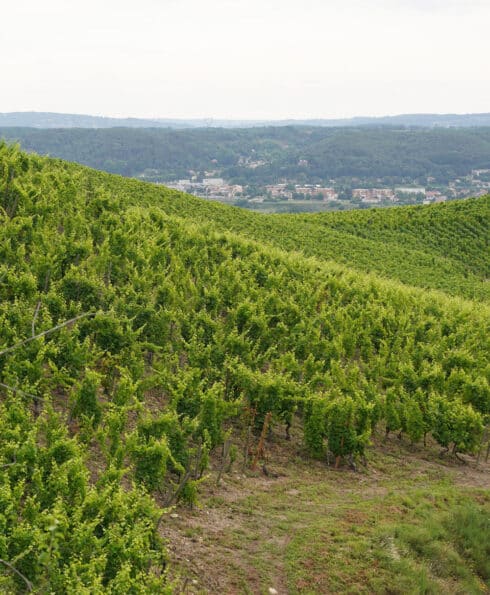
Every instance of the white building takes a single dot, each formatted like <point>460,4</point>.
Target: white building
<point>404,190</point>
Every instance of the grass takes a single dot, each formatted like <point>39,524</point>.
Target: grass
<point>405,525</point>
<point>397,544</point>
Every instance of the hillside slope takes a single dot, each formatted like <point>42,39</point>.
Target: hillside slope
<point>457,230</point>
<point>138,338</point>
<point>441,246</point>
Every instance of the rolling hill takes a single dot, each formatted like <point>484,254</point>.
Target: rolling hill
<point>143,332</point>
<point>422,246</point>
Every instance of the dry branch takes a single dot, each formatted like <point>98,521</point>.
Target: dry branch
<point>21,392</point>
<point>18,573</point>
<point>36,312</point>
<point>44,333</point>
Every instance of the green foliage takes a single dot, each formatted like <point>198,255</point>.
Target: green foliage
<point>168,426</point>
<point>393,414</point>
<point>189,493</point>
<point>60,532</point>
<point>190,327</point>
<point>150,462</point>
<point>457,424</point>
<point>414,420</point>
<point>314,427</point>
<point>211,417</point>
<point>341,430</point>
<point>85,400</point>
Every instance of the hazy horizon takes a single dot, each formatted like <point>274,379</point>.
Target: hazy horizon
<point>225,59</point>
<point>238,118</point>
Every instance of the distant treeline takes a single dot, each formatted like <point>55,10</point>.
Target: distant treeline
<point>56,120</point>
<point>258,156</point>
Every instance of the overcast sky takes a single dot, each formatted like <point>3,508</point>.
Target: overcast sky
<point>245,58</point>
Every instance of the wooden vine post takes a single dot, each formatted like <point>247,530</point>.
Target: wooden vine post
<point>260,453</point>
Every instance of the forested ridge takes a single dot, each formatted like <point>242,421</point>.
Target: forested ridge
<point>141,329</point>
<point>396,155</point>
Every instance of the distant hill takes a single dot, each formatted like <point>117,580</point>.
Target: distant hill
<point>265,155</point>
<point>55,120</point>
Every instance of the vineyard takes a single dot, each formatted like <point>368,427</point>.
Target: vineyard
<point>443,246</point>
<point>143,331</point>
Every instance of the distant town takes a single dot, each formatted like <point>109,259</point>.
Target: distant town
<point>285,169</point>
<point>336,195</point>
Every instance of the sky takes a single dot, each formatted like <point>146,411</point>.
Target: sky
<point>245,59</point>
